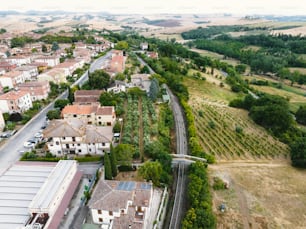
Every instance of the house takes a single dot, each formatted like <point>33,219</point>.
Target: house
<point>144,46</point>
<point>51,61</point>
<point>117,87</point>
<point>70,66</point>
<point>116,65</point>
<point>29,72</point>
<point>7,65</point>
<point>56,75</point>
<point>11,79</point>
<point>38,90</point>
<point>153,55</point>
<point>2,122</point>
<point>15,101</point>
<point>19,60</point>
<point>121,204</point>
<point>141,81</point>
<point>74,136</point>
<point>83,97</point>
<point>91,114</point>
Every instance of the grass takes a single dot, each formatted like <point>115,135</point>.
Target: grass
<point>300,70</point>
<point>206,90</point>
<point>294,95</point>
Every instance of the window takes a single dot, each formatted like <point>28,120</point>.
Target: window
<point>79,144</point>
<point>110,212</point>
<point>64,138</point>
<point>74,115</point>
<point>57,143</point>
<point>73,139</point>
<point>100,220</point>
<point>80,151</point>
<point>99,212</point>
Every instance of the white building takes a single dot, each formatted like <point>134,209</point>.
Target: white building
<point>2,122</point>
<point>19,60</point>
<point>73,136</point>
<point>29,72</point>
<point>120,204</point>
<point>15,101</point>
<point>11,79</point>
<point>51,61</point>
<point>33,195</point>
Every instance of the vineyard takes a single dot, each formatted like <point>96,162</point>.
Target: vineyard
<point>229,133</point>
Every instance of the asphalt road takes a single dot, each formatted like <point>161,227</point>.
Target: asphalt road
<point>9,152</point>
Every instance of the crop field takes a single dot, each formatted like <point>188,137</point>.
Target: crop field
<point>140,124</point>
<point>228,133</point>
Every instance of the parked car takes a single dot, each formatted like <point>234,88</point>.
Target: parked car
<point>38,135</point>
<point>29,144</point>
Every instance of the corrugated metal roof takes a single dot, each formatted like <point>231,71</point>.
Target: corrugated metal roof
<point>18,186</point>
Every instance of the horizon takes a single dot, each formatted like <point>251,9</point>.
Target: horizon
<point>234,7</point>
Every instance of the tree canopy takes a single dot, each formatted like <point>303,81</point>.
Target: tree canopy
<point>99,79</point>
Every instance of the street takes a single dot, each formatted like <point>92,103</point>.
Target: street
<point>9,152</point>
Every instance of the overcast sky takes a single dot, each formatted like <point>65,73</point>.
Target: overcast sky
<point>279,7</point>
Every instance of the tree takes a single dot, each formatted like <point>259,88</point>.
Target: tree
<point>15,117</point>
<point>107,167</point>
<point>61,103</point>
<point>298,152</point>
<point>53,114</point>
<point>122,45</point>
<point>145,70</point>
<point>44,48</point>
<point>124,154</point>
<point>240,68</point>
<point>99,79</point>
<point>113,161</point>
<point>55,46</point>
<point>151,171</point>
<point>154,89</point>
<point>71,91</point>
<point>301,115</point>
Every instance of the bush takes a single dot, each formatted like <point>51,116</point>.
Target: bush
<point>126,168</point>
<point>218,184</point>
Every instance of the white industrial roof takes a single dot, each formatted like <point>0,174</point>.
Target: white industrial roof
<point>18,186</point>
<point>48,191</point>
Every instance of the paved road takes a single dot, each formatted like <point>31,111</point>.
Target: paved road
<point>181,141</point>
<point>9,152</point>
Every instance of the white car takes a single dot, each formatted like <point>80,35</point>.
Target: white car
<point>38,135</point>
<point>28,144</point>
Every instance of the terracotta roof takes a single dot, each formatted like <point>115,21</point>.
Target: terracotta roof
<point>13,95</point>
<point>34,84</point>
<point>12,74</point>
<point>88,92</point>
<point>79,109</point>
<point>65,128</point>
<point>107,110</point>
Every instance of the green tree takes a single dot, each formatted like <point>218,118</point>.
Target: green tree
<point>151,171</point>
<point>122,45</point>
<point>298,152</point>
<point>240,68</point>
<point>145,70</point>
<point>44,48</point>
<point>107,167</point>
<point>113,161</point>
<point>154,89</point>
<point>61,103</point>
<point>53,114</point>
<point>99,79</point>
<point>55,46</point>
<point>124,154</point>
<point>301,115</point>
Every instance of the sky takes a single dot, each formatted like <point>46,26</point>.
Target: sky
<point>236,7</point>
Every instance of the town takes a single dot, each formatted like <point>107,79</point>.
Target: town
<point>151,121</point>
